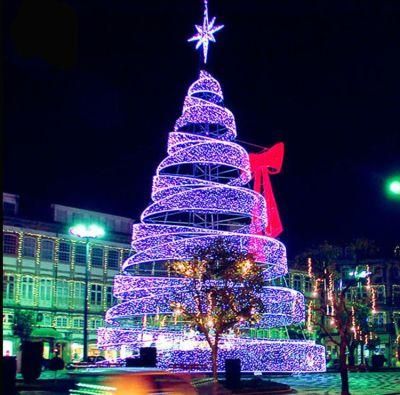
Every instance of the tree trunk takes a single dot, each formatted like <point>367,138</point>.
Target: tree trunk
<point>344,374</point>
<point>352,349</point>
<point>362,353</point>
<point>214,354</point>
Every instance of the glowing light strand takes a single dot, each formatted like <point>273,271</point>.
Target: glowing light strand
<point>309,268</point>
<point>154,295</point>
<point>263,355</point>
<point>309,316</point>
<point>160,237</point>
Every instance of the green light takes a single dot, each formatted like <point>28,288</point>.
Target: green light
<point>363,274</point>
<point>91,231</point>
<point>393,187</point>
<point>359,274</point>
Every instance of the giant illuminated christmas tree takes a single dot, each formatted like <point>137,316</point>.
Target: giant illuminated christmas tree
<point>201,192</point>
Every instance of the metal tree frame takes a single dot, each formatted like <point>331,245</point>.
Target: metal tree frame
<point>201,192</point>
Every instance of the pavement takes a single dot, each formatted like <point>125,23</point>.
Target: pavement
<point>368,383</point>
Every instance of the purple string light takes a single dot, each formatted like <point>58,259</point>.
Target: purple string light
<point>160,237</point>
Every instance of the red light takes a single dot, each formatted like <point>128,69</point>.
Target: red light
<point>262,165</point>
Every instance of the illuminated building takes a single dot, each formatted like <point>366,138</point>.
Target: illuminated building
<point>43,272</point>
<point>384,288</point>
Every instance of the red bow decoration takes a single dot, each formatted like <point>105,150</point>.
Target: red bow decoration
<point>262,165</point>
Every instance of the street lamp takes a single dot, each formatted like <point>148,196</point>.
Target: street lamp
<point>393,187</point>
<point>82,231</point>
<point>92,231</point>
<point>359,274</point>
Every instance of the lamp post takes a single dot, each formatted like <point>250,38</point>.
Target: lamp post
<point>86,232</point>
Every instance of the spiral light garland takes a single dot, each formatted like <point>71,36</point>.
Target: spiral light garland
<point>200,193</point>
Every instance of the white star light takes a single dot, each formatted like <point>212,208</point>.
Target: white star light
<point>206,32</point>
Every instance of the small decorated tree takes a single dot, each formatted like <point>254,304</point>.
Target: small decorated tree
<point>23,325</point>
<point>225,291</point>
<point>361,329</point>
<point>334,318</point>
<point>31,352</point>
<point>337,316</point>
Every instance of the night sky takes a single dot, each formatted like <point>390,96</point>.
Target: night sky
<point>92,89</point>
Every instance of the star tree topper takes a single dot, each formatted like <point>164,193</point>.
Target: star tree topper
<point>205,33</point>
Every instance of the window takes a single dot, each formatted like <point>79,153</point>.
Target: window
<point>47,250</point>
<point>396,319</point>
<point>8,318</point>
<point>77,323</point>
<point>349,295</point>
<point>125,255</point>
<point>95,294</point>
<point>64,252</point>
<point>8,287</point>
<point>286,280</point>
<point>61,322</point>
<point>97,256</point>
<point>94,324</point>
<point>27,288</point>
<point>278,282</point>
<point>110,297</point>
<point>396,294</point>
<point>113,259</point>
<point>330,310</point>
<point>80,254</point>
<point>45,291</point>
<point>62,292</point>
<point>362,293</point>
<point>9,244</point>
<point>79,293</point>
<point>47,320</point>
<point>380,293</point>
<point>379,319</point>
<point>297,283</point>
<point>29,249</point>
<point>307,285</point>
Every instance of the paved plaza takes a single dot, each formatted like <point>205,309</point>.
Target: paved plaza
<point>369,383</point>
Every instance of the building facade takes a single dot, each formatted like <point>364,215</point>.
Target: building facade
<point>385,318</point>
<point>384,321</point>
<point>44,273</point>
